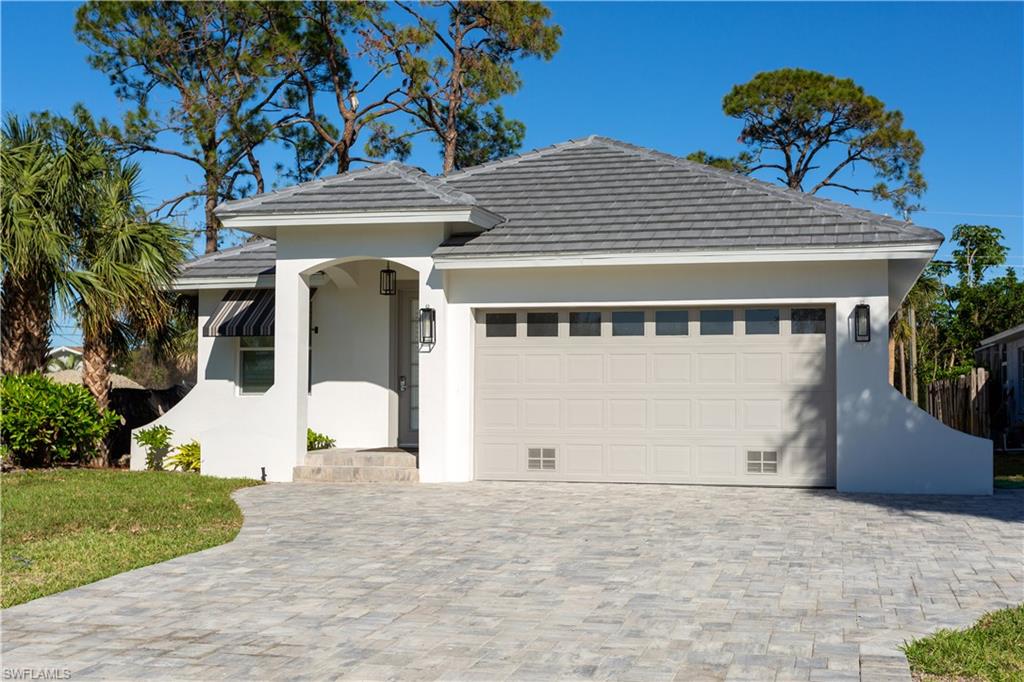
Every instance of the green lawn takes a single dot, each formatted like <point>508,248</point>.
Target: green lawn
<point>1009,471</point>
<point>993,649</point>
<point>67,527</point>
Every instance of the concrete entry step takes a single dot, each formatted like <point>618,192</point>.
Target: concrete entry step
<point>349,458</point>
<point>345,465</point>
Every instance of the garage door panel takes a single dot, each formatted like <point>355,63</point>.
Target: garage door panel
<point>716,461</point>
<point>584,369</point>
<point>671,413</point>
<point>716,368</point>
<point>762,368</point>
<point>670,368</point>
<point>682,409</point>
<point>627,413</point>
<point>542,369</point>
<point>627,369</point>
<point>670,461</point>
<point>716,415</point>
<point>584,413</point>
<point>625,460</point>
<point>541,413</point>
<point>762,414</point>
<point>498,368</point>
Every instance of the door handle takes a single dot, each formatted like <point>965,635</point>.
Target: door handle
<point>402,384</point>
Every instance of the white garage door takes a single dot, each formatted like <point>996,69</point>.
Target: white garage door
<point>683,395</point>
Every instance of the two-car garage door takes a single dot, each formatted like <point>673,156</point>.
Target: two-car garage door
<point>728,395</point>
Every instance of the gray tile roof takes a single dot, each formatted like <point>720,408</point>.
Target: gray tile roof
<point>251,259</point>
<point>600,195</point>
<point>594,195</point>
<point>389,186</point>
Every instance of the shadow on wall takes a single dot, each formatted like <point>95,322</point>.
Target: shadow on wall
<point>888,444</point>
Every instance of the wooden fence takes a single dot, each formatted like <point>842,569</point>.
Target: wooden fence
<point>964,403</point>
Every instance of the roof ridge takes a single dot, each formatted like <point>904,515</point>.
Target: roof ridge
<point>433,184</point>
<point>524,156</point>
<point>760,185</point>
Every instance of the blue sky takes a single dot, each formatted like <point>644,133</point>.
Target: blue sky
<point>654,74</point>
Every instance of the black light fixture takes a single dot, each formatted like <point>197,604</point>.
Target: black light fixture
<point>862,323</point>
<point>388,281</point>
<point>428,326</point>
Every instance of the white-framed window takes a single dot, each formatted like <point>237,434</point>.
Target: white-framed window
<point>716,322</point>
<point>500,324</point>
<point>585,323</point>
<point>761,321</point>
<point>671,322</point>
<point>255,364</point>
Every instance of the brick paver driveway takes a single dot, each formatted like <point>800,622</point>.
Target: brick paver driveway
<point>539,581</point>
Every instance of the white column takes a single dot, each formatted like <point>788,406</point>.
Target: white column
<point>291,365</point>
<point>433,383</point>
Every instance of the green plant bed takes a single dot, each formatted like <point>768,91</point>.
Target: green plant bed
<point>1009,471</point>
<point>992,649</point>
<point>67,527</point>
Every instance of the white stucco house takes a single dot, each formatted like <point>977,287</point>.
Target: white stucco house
<point>590,311</point>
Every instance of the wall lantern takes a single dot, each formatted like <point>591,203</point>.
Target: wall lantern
<point>428,326</point>
<point>862,323</point>
<point>388,281</point>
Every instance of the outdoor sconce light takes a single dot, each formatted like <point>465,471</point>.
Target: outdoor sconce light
<point>428,326</point>
<point>862,323</point>
<point>388,281</point>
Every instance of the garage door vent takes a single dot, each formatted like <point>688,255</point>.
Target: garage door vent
<point>762,462</point>
<point>540,459</point>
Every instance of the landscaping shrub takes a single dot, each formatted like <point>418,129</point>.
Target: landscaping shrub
<point>318,441</point>
<point>157,441</point>
<point>45,423</point>
<point>186,457</point>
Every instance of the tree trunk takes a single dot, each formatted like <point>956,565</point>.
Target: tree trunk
<point>212,224</point>
<point>912,319</point>
<point>903,369</point>
<point>892,357</point>
<point>25,328</point>
<point>96,377</point>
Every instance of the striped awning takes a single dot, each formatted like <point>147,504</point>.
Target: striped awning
<point>243,312</point>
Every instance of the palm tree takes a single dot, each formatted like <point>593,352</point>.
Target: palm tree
<point>131,262</point>
<point>42,176</point>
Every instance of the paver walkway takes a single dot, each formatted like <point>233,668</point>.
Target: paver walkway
<point>542,581</point>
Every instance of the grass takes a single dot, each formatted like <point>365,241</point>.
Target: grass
<point>1009,471</point>
<point>992,649</point>
<point>67,527</point>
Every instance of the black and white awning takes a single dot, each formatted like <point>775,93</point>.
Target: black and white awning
<point>243,312</point>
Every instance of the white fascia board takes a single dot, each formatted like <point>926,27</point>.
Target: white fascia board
<point>262,222</point>
<point>883,252</point>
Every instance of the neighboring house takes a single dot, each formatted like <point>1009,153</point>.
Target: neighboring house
<point>63,357</point>
<point>1003,355</point>
<point>590,311</point>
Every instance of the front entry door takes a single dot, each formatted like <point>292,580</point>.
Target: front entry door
<point>408,369</point>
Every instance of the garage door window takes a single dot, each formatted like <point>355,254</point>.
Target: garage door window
<point>585,324</point>
<point>542,324</point>
<point>808,320</point>
<point>762,320</point>
<point>628,323</point>
<point>671,322</point>
<point>762,462</point>
<point>715,322</point>
<point>501,324</point>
